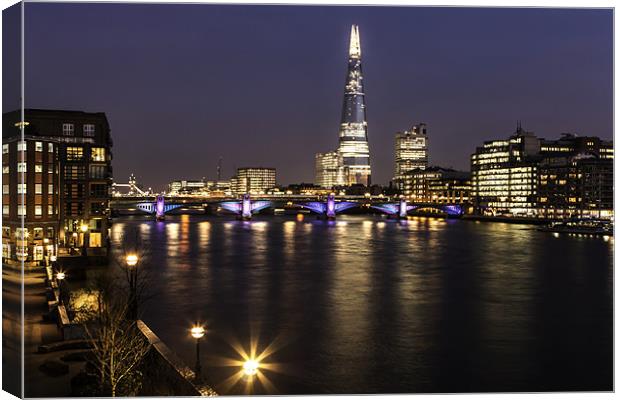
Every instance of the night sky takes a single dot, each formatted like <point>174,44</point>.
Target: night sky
<point>183,85</point>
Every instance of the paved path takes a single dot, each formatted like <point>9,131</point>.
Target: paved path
<point>36,332</point>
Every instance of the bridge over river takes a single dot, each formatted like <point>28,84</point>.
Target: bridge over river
<point>245,206</point>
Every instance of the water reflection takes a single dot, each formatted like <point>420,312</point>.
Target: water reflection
<point>373,305</point>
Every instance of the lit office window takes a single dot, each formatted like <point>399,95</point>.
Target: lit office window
<point>50,209</point>
<point>38,188</point>
<point>97,154</point>
<point>5,209</point>
<point>21,167</point>
<point>5,169</point>
<point>21,146</point>
<point>21,210</point>
<point>50,147</point>
<point>38,210</point>
<point>5,189</point>
<point>21,188</point>
<point>74,153</point>
<point>5,149</point>
<point>67,129</point>
<point>50,189</point>
<point>38,146</point>
<point>38,168</point>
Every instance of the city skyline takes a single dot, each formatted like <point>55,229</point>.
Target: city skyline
<point>463,99</point>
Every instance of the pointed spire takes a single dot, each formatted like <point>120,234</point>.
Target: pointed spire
<point>355,50</point>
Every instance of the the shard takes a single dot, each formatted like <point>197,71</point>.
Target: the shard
<point>353,144</point>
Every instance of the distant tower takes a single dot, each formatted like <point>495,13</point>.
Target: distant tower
<point>353,144</point>
<point>219,169</point>
<point>410,153</point>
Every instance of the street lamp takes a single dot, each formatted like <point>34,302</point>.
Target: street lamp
<point>60,277</point>
<point>45,255</point>
<point>197,332</point>
<point>84,229</point>
<point>250,367</point>
<point>132,262</point>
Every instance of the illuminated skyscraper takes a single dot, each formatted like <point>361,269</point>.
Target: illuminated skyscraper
<point>410,153</point>
<point>353,144</point>
<point>350,163</point>
<point>329,170</point>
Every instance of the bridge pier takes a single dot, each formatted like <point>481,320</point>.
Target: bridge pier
<point>160,213</point>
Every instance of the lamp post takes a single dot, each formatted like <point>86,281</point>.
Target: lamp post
<point>198,332</point>
<point>45,254</point>
<point>60,277</point>
<point>132,262</point>
<point>84,229</point>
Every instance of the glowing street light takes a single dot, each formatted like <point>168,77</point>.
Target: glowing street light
<point>60,277</point>
<point>198,331</point>
<point>250,367</point>
<point>132,261</point>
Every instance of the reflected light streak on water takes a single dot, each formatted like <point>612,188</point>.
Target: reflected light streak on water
<point>373,305</point>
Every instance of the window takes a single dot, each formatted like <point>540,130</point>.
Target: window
<point>6,232</point>
<point>38,253</point>
<point>50,210</point>
<point>89,130</point>
<point>98,190</point>
<point>38,146</point>
<point>50,231</point>
<point>50,147</point>
<point>21,167</point>
<point>38,210</point>
<point>21,188</point>
<point>5,169</point>
<point>5,149</point>
<point>67,129</point>
<point>21,209</point>
<point>21,252</point>
<point>98,171</point>
<point>75,172</point>
<point>50,168</point>
<point>5,209</point>
<point>50,188</point>
<point>38,188</point>
<point>5,189</point>
<point>6,250</point>
<point>38,233</point>
<point>97,154</point>
<point>94,239</point>
<point>38,168</point>
<point>74,153</point>
<point>21,146</point>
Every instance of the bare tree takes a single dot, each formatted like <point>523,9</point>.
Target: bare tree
<point>118,345</point>
<point>137,277</point>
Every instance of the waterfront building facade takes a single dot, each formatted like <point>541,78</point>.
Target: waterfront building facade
<point>576,177</point>
<point>410,153</point>
<point>30,194</point>
<point>352,154</point>
<point>504,175</point>
<point>186,187</point>
<point>437,185</point>
<point>253,180</point>
<point>528,176</point>
<point>82,145</point>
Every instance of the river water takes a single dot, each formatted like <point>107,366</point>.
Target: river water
<point>370,305</point>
